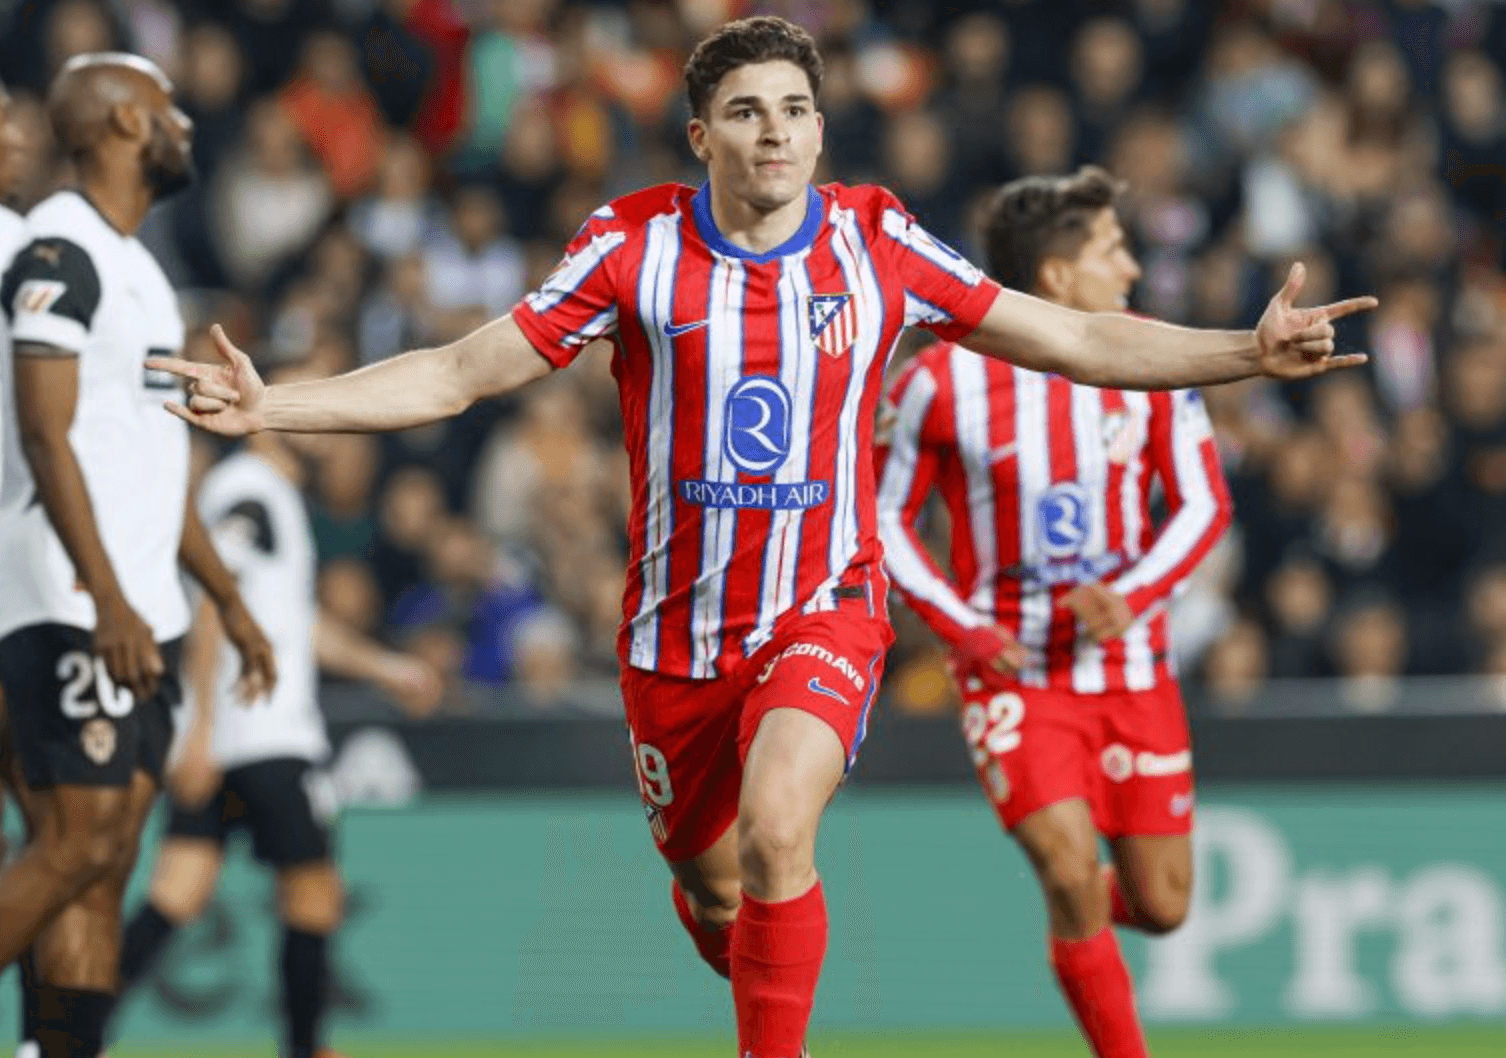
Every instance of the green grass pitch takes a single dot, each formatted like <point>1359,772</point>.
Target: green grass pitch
<point>1398,1042</point>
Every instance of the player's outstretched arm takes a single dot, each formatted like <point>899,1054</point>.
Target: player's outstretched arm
<point>1116,350</point>
<point>342,651</point>
<point>409,390</point>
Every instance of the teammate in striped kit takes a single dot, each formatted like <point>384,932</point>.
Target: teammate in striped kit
<point>752,321</point>
<point>1056,613</point>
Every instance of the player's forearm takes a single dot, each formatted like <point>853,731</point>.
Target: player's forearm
<point>342,651</point>
<point>65,497</point>
<point>1120,351</point>
<point>196,554</point>
<point>201,661</point>
<point>413,389</point>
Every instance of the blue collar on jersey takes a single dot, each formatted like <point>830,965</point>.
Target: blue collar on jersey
<point>802,239</point>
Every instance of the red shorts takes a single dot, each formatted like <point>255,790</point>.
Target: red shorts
<point>690,737</point>
<point>1128,754</point>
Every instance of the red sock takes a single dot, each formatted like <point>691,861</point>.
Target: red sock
<point>776,958</point>
<point>1119,909</point>
<point>1097,985</point>
<point>714,944</point>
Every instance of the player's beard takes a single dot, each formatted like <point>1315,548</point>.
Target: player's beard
<point>166,167</point>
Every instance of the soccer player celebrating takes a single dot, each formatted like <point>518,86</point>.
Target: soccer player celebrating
<point>752,320</point>
<point>256,768</point>
<point>95,521</point>
<point>1056,614</point>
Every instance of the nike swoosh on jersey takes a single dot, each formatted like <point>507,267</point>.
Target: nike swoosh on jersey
<point>821,688</point>
<point>674,330</point>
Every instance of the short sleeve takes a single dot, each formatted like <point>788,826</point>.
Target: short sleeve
<point>944,291</point>
<point>578,302</point>
<point>51,293</point>
<point>243,533</point>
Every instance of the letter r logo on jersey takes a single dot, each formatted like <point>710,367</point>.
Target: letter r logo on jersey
<point>1062,520</point>
<point>757,435</point>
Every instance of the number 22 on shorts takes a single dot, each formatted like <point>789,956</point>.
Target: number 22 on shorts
<point>653,775</point>
<point>993,729</point>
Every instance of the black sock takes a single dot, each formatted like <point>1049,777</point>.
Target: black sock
<point>304,987</point>
<point>141,943</point>
<point>28,981</point>
<point>71,1022</point>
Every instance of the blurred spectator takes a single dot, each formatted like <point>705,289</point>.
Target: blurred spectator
<point>411,505</point>
<point>1370,653</point>
<point>1472,148</point>
<point>471,591</point>
<point>1300,597</point>
<point>347,590</point>
<point>342,509</point>
<point>398,314</point>
<point>544,653</point>
<point>270,200</point>
<point>508,57</point>
<point>473,268</point>
<point>1107,64</point>
<point>1235,668</point>
<point>1040,137</point>
<point>401,213</point>
<point>330,106</point>
<point>917,164</point>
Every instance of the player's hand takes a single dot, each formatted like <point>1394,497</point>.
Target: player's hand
<point>224,398</point>
<point>413,683</point>
<point>1298,343</point>
<point>1101,612</point>
<point>129,649</point>
<point>258,662</point>
<point>988,654</point>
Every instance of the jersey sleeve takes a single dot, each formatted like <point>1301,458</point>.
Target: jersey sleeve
<point>944,291</point>
<point>1183,453</point>
<point>242,531</point>
<point>51,293</point>
<point>908,455</point>
<point>578,302</point>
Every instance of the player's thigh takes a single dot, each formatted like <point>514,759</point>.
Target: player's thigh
<point>70,725</point>
<point>683,737</point>
<point>712,881</point>
<point>826,665</point>
<point>290,808</point>
<point>311,897</point>
<point>1146,765</point>
<point>1031,748</point>
<point>1156,877</point>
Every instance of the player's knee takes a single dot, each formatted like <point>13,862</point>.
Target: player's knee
<point>770,843</point>
<point>1072,879</point>
<point>1163,907</point>
<point>313,903</point>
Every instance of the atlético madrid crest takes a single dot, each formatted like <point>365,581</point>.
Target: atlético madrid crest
<point>834,322</point>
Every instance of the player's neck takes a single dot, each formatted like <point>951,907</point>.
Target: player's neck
<point>749,228</point>
<point>122,202</point>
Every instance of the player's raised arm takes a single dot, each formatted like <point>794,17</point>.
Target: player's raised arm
<point>409,390</point>
<point>1112,349</point>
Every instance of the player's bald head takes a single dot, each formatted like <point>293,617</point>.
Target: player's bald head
<point>89,87</point>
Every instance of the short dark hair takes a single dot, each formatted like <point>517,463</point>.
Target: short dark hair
<point>1037,217</point>
<point>762,38</point>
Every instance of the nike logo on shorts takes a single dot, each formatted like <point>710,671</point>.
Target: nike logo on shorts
<point>674,330</point>
<point>821,688</point>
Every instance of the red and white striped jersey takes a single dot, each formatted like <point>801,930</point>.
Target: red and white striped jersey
<point>749,385</point>
<point>1049,485</point>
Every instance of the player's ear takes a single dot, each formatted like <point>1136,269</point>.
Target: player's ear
<point>1054,278</point>
<point>129,121</point>
<point>695,132</point>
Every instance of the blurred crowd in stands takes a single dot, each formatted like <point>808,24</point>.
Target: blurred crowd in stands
<point>380,174</point>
